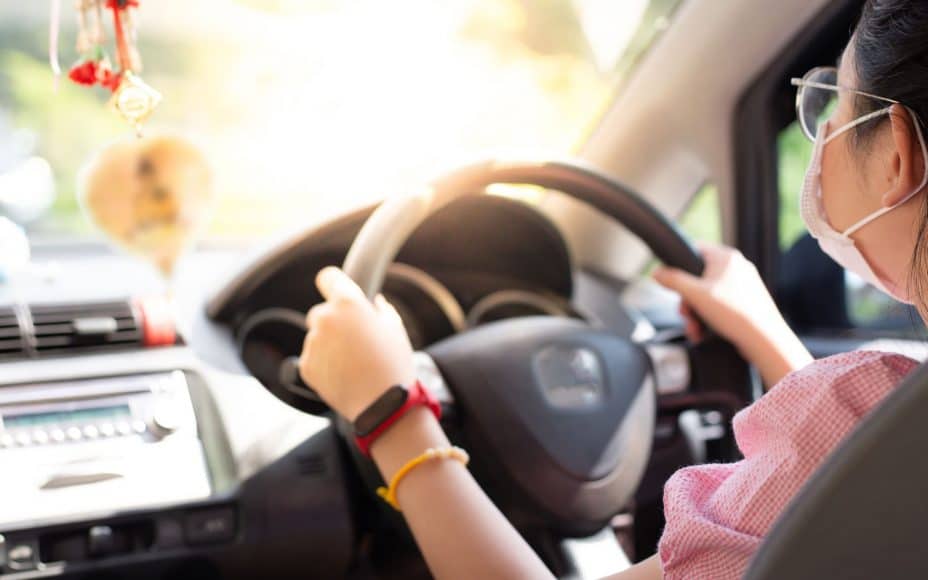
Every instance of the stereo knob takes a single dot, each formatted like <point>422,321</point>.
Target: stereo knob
<point>165,419</point>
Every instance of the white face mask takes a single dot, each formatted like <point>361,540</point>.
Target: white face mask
<point>839,245</point>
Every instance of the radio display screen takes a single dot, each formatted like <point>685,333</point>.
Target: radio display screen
<point>65,417</point>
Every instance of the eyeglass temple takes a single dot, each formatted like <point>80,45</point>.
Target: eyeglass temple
<point>797,82</point>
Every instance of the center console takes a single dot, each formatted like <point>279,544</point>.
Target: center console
<point>80,448</point>
<point>149,464</point>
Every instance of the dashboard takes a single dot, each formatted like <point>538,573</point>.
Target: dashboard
<point>479,260</point>
<point>469,249</point>
<point>430,311</point>
<point>175,459</point>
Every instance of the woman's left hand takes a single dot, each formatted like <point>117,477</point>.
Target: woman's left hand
<point>733,300</point>
<point>355,349</point>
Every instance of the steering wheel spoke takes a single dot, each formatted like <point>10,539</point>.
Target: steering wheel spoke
<point>429,374</point>
<point>671,365</point>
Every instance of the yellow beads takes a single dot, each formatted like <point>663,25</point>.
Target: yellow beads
<point>456,453</point>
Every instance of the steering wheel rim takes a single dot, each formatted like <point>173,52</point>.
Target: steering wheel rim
<point>604,483</point>
<point>391,224</point>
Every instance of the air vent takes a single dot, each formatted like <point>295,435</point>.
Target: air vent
<point>63,328</point>
<point>11,336</point>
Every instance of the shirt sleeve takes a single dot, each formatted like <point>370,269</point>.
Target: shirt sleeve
<point>717,515</point>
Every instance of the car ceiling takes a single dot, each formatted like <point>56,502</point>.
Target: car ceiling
<point>670,128</point>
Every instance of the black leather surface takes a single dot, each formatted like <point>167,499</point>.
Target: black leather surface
<point>580,462</point>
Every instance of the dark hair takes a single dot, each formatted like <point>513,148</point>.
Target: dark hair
<point>890,46</point>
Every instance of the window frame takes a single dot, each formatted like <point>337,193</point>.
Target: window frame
<point>767,108</point>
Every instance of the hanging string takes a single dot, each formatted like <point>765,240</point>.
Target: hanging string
<point>132,98</point>
<point>53,29</point>
<point>123,52</point>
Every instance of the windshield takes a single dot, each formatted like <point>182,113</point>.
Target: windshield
<point>306,108</point>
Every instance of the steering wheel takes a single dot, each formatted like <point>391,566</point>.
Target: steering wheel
<point>558,415</point>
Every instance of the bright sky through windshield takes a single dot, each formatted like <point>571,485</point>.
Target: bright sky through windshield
<point>307,108</point>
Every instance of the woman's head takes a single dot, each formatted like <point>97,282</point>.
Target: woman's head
<point>879,163</point>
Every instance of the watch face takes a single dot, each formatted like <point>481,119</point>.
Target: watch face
<point>380,410</point>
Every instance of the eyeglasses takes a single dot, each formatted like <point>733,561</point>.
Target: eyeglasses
<point>817,98</point>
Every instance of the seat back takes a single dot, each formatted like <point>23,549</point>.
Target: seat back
<point>864,513</point>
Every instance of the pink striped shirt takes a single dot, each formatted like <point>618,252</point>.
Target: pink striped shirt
<point>717,515</point>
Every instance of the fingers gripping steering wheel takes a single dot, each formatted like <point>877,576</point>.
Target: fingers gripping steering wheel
<point>555,412</point>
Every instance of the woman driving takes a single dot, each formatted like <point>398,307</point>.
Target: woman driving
<point>863,199</point>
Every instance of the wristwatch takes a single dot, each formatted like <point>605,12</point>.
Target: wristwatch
<point>388,409</point>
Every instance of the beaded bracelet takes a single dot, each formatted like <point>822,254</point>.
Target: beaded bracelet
<point>389,494</point>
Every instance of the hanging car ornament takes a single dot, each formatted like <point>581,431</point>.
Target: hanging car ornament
<point>132,99</point>
<point>151,195</point>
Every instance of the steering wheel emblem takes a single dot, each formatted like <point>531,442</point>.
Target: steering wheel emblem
<point>570,377</point>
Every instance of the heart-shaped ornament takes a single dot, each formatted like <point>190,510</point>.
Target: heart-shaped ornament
<point>151,196</point>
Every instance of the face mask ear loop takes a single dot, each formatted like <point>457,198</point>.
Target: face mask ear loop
<point>921,141</point>
<point>858,121</point>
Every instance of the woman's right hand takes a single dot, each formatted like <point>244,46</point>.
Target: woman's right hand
<point>732,299</point>
<point>355,349</point>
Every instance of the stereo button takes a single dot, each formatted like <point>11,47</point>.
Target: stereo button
<point>57,435</point>
<point>123,428</point>
<point>40,437</point>
<point>21,557</point>
<point>6,440</point>
<point>74,434</point>
<point>24,439</point>
<point>210,526</point>
<point>107,430</point>
<point>91,432</point>
<point>101,541</point>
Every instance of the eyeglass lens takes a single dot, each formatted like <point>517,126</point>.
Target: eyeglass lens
<point>817,104</point>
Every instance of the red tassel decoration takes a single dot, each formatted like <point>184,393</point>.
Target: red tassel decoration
<point>84,73</point>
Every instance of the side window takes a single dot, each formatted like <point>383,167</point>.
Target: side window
<point>815,293</point>
<point>702,219</point>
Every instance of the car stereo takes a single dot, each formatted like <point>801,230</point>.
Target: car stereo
<point>77,448</point>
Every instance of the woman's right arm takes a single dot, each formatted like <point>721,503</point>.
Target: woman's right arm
<point>458,529</point>
<point>732,299</point>
<point>354,351</point>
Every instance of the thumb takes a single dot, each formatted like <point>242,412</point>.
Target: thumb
<point>384,307</point>
<point>677,280</point>
<point>334,284</point>
<point>390,313</point>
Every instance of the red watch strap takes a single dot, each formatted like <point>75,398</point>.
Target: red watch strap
<point>418,395</point>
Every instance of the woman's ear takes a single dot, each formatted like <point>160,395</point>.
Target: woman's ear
<point>907,164</point>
